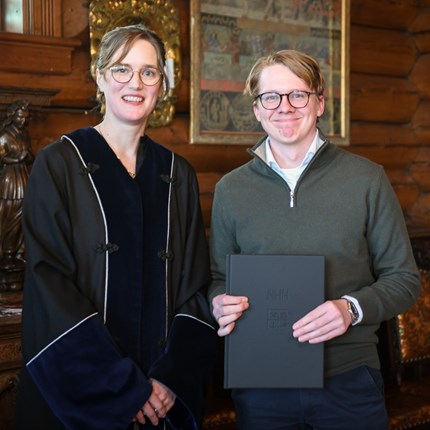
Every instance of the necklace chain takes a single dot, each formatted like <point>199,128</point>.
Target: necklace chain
<point>132,174</point>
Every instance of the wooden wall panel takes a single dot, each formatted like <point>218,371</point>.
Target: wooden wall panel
<point>422,115</point>
<point>389,94</point>
<point>389,103</point>
<point>384,14</point>
<point>400,156</point>
<point>377,134</point>
<point>420,173</point>
<point>382,52</point>
<point>420,212</point>
<point>407,195</point>
<point>421,22</point>
<point>423,42</point>
<point>378,98</point>
<point>420,75</point>
<point>423,136</point>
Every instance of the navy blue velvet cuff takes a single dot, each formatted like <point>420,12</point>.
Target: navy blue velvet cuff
<point>86,382</point>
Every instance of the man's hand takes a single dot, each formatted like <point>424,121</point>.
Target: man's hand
<point>227,310</point>
<point>329,320</point>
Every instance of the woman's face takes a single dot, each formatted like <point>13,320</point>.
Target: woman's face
<point>132,102</point>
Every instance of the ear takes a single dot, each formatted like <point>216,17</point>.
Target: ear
<point>256,111</point>
<point>321,105</point>
<point>100,80</point>
<point>162,90</point>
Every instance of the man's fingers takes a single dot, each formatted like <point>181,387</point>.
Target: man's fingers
<point>226,330</point>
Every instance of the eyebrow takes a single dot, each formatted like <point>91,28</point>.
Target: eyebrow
<point>144,66</point>
<point>288,92</point>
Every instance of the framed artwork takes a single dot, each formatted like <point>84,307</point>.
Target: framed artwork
<point>227,37</point>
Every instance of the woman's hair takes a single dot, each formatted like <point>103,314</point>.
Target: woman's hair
<point>302,65</point>
<point>123,38</point>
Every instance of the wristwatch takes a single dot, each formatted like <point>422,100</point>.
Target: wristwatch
<point>352,310</point>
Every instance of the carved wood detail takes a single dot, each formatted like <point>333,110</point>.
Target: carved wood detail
<point>24,53</point>
<point>10,362</point>
<point>35,97</point>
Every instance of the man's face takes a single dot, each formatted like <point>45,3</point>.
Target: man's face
<point>286,125</point>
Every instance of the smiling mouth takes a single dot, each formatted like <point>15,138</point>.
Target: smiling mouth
<point>286,121</point>
<point>134,99</point>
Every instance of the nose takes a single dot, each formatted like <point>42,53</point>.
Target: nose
<point>285,105</point>
<point>136,81</point>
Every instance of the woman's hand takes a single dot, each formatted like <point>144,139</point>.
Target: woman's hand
<point>159,403</point>
<point>166,396</point>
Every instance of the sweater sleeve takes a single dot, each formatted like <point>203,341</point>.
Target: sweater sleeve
<point>397,284</point>
<point>222,242</point>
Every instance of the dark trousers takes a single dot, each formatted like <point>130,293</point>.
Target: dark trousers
<point>353,400</point>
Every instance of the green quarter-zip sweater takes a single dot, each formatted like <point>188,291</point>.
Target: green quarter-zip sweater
<point>345,209</point>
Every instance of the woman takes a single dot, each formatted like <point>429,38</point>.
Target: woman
<point>116,328</point>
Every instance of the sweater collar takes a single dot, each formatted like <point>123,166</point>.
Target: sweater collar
<point>262,149</point>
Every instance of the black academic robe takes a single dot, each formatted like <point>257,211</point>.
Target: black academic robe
<point>115,287</point>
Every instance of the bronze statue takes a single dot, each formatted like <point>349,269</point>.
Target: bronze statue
<point>15,158</point>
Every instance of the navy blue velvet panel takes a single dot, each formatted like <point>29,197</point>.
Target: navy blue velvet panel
<point>187,374</point>
<point>154,187</point>
<point>136,212</point>
<point>86,382</point>
<point>121,201</point>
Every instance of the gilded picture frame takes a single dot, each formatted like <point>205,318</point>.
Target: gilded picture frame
<point>227,36</point>
<point>160,16</point>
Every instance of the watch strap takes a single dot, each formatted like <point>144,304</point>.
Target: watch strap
<point>352,310</point>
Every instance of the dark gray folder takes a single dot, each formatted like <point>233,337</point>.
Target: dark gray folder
<point>261,352</point>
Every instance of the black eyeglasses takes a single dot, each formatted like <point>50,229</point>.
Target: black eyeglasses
<point>124,74</point>
<point>297,99</point>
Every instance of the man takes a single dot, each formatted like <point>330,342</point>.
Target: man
<point>303,195</point>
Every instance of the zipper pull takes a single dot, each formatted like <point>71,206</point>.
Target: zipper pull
<point>291,199</point>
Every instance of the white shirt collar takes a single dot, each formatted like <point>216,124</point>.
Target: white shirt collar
<point>317,142</point>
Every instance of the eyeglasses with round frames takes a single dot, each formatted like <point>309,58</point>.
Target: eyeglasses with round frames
<point>124,74</point>
<point>297,99</point>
